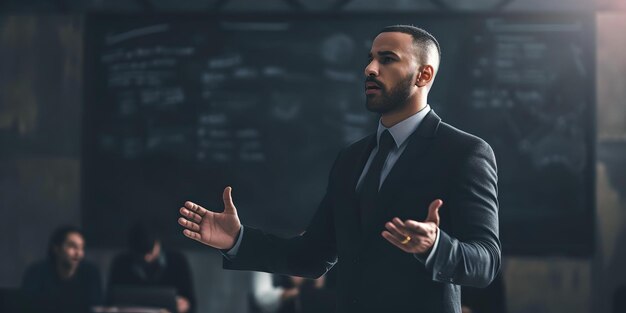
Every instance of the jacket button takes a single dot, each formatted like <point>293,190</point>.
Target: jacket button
<point>356,260</point>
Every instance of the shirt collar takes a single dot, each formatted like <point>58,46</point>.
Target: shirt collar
<point>401,131</point>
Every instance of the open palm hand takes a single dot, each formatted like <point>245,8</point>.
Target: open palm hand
<point>218,230</point>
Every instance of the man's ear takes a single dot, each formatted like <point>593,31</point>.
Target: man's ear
<point>424,75</point>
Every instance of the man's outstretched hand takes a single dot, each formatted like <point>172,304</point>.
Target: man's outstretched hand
<point>422,234</point>
<point>218,230</point>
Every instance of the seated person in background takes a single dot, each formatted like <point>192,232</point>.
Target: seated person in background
<point>272,296</point>
<point>282,294</point>
<point>147,264</point>
<point>63,282</point>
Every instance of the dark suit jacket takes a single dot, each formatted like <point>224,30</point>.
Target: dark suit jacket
<point>440,161</point>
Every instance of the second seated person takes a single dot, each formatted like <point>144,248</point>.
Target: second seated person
<point>148,264</point>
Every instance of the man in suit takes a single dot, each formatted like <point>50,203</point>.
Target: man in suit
<point>379,220</point>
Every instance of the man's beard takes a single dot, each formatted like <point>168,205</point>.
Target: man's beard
<point>393,100</point>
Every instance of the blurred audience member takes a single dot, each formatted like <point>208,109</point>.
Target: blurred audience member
<point>147,264</point>
<point>320,295</point>
<point>285,294</point>
<point>63,282</point>
<point>272,295</point>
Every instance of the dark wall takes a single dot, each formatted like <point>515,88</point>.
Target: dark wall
<point>40,110</point>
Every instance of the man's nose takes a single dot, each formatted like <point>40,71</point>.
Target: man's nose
<point>371,69</point>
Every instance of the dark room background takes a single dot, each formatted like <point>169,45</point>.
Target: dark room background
<point>64,111</point>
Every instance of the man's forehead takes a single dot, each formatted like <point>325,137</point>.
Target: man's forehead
<point>392,41</point>
<point>74,238</point>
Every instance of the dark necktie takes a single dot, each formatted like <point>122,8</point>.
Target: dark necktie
<point>368,194</point>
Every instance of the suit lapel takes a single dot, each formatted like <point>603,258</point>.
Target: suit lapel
<point>418,144</point>
<point>362,157</point>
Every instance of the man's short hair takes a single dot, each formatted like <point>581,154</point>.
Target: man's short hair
<point>59,236</point>
<point>421,38</point>
<point>141,237</point>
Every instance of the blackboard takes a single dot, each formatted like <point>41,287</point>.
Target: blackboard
<point>179,106</point>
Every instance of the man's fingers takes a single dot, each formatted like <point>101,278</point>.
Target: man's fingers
<point>398,222</point>
<point>415,227</point>
<point>433,211</point>
<point>188,224</point>
<point>190,215</point>
<point>229,206</point>
<point>392,239</point>
<point>395,231</point>
<point>191,234</point>
<point>195,208</point>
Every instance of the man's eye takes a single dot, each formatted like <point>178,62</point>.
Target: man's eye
<point>387,60</point>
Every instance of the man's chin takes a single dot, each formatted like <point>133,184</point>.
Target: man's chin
<point>375,106</point>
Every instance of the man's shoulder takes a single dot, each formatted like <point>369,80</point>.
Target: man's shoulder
<point>36,274</point>
<point>39,267</point>
<point>459,139</point>
<point>359,145</point>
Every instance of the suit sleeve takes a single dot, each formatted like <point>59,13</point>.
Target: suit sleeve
<point>469,250</point>
<point>308,255</point>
